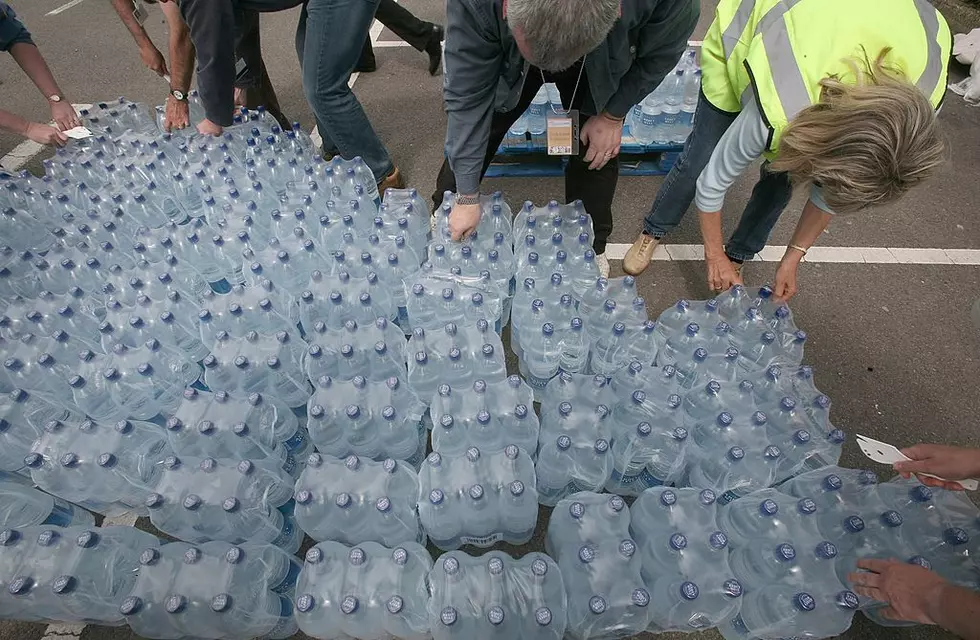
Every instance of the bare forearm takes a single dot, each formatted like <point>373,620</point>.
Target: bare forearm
<point>711,234</point>
<point>813,222</point>
<point>181,48</point>
<point>958,611</point>
<point>30,60</point>
<point>125,10</point>
<point>13,123</point>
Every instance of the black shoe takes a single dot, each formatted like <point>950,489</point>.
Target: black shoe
<point>434,49</point>
<point>367,64</point>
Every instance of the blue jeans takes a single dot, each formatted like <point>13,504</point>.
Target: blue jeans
<point>769,197</point>
<point>329,38</point>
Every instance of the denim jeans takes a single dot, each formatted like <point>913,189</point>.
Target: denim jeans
<point>329,38</point>
<point>769,197</point>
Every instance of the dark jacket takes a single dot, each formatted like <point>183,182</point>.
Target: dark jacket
<point>212,28</point>
<point>485,71</point>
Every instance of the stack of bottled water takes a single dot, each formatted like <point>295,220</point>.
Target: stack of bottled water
<point>492,415</point>
<point>372,419</point>
<point>684,554</point>
<point>214,590</point>
<point>353,500</point>
<point>714,396</point>
<point>478,498</point>
<point>589,536</point>
<point>666,115</point>
<point>457,354</point>
<point>23,506</point>
<point>364,591</point>
<point>74,574</point>
<point>497,596</point>
<point>546,101</point>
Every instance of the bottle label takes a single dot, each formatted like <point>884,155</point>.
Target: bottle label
<point>484,541</point>
<point>648,480</point>
<point>289,464</point>
<point>727,497</point>
<point>299,440</point>
<point>537,383</point>
<point>288,528</point>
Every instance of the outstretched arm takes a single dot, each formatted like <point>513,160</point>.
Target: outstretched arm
<point>32,62</point>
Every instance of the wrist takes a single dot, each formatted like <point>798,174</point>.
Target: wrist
<point>468,199</point>
<point>714,251</point>
<point>611,118</point>
<point>793,255</point>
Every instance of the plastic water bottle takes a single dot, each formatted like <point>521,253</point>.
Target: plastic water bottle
<point>353,499</point>
<point>496,594</point>
<point>24,506</point>
<point>469,499</point>
<point>537,112</point>
<point>364,591</point>
<point>588,535</point>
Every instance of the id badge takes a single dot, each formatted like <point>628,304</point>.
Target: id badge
<point>562,133</point>
<point>139,12</point>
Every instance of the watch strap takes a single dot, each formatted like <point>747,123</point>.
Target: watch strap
<point>467,200</point>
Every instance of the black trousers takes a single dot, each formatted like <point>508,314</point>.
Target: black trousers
<point>405,24</point>
<point>594,188</point>
<point>253,77</point>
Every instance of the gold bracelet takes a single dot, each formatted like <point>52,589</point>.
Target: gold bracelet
<point>798,248</point>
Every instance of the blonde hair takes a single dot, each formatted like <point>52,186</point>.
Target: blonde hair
<point>865,143</point>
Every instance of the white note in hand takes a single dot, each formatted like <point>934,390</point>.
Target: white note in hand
<point>885,453</point>
<point>78,133</point>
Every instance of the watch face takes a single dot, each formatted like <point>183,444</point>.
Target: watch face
<point>178,94</point>
<point>55,98</point>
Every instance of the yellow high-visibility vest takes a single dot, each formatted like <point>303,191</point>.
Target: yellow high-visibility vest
<point>778,51</point>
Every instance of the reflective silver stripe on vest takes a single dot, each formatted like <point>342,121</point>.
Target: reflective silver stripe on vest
<point>729,39</point>
<point>935,64</point>
<point>786,75</point>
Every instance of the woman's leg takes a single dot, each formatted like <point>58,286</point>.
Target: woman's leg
<point>770,196</point>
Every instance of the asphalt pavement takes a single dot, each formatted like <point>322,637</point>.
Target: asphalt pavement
<point>892,344</point>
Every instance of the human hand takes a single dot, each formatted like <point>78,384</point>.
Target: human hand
<point>241,97</point>
<point>463,220</point>
<point>207,128</point>
<point>785,286</point>
<point>910,591</point>
<point>64,115</point>
<point>45,134</point>
<point>177,115</point>
<point>153,60</point>
<point>602,135</point>
<point>952,463</point>
<point>721,273</point>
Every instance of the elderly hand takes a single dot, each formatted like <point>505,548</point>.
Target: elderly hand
<point>207,128</point>
<point>64,115</point>
<point>910,591</point>
<point>177,114</point>
<point>721,273</point>
<point>463,220</point>
<point>602,135</point>
<point>45,134</point>
<point>785,287</point>
<point>153,60</point>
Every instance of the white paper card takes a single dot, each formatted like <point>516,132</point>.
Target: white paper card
<point>885,453</point>
<point>78,133</point>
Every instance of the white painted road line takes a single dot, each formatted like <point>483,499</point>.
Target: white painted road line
<point>64,7</point>
<point>20,155</point>
<point>844,255</point>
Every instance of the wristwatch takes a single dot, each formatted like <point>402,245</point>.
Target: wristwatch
<point>178,94</point>
<point>464,200</point>
<point>54,98</point>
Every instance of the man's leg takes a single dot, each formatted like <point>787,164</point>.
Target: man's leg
<point>499,125</point>
<point>405,24</point>
<point>677,192</point>
<point>254,81</point>
<point>595,189</point>
<point>334,35</point>
<point>769,198</point>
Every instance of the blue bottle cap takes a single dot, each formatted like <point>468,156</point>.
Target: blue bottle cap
<point>735,454</point>
<point>678,541</point>
<point>495,566</point>
<point>768,508</point>
<point>314,555</point>
<point>617,504</point>
<point>448,616</point>
<point>853,524</point>
<point>806,506</point>
<point>826,550</point>
<point>920,561</point>
<point>597,604</point>
<point>668,498</point>
<point>356,556</point>
<point>718,540</point>
<point>349,605</point>
<point>732,588</point>
<point>955,536</point>
<point>627,548</point>
<point>543,616</point>
<point>343,500</point>
<point>437,496</point>
<point>891,518</point>
<point>399,556</point>
<point>394,605</point>
<point>131,605</point>
<point>707,497</point>
<point>804,602</point>
<point>175,603</point>
<point>689,591</point>
<point>450,566</point>
<point>785,552</point>
<point>586,554</point>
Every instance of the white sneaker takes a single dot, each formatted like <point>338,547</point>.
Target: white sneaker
<point>603,265</point>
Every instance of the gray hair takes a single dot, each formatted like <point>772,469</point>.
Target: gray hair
<point>559,32</point>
